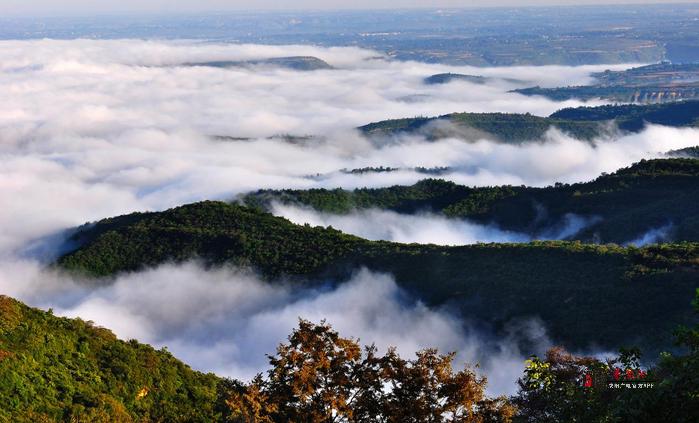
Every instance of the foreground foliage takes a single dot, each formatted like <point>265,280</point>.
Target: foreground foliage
<point>58,369</point>
<point>555,390</point>
<point>320,377</point>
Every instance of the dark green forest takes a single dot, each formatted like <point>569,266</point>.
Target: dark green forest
<point>588,295</point>
<point>603,294</point>
<point>503,127</point>
<point>583,123</point>
<point>622,206</point>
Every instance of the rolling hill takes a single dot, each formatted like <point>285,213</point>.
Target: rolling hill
<point>657,83</point>
<point>621,207</point>
<point>298,63</point>
<point>583,123</point>
<point>445,78</point>
<point>602,295</point>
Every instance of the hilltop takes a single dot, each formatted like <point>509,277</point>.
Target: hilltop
<point>657,83</point>
<point>622,206</point>
<point>583,123</point>
<point>299,63</point>
<point>445,78</point>
<point>585,294</point>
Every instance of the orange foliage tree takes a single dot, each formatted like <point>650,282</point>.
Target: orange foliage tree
<point>320,377</point>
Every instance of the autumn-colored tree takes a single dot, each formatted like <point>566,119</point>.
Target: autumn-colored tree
<point>427,390</point>
<point>320,377</point>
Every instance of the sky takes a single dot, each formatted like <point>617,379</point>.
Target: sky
<point>82,7</point>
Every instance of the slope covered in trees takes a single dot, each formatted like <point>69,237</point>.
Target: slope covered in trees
<point>689,152</point>
<point>319,376</point>
<point>585,294</point>
<point>620,207</point>
<point>582,122</point>
<point>504,127</point>
<point>58,369</point>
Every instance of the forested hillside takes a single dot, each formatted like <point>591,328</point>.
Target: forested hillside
<point>582,122</point>
<point>504,127</point>
<point>585,294</point>
<point>689,152</point>
<point>621,207</point>
<point>58,369</point>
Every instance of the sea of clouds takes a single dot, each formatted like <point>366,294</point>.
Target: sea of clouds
<point>227,320</point>
<point>91,129</point>
<point>426,227</point>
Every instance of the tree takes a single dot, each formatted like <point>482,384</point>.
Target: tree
<point>551,390</point>
<point>556,389</point>
<point>320,377</point>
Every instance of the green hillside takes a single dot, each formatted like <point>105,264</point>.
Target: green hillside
<point>625,204</point>
<point>632,117</point>
<point>214,232</point>
<point>58,369</point>
<point>504,127</point>
<point>606,295</point>
<point>55,369</point>
<point>583,123</point>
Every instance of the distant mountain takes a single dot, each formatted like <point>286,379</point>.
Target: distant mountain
<point>503,127</point>
<point>689,152</point>
<point>582,122</point>
<point>432,171</point>
<point>625,205</point>
<point>445,78</point>
<point>659,83</point>
<point>58,369</point>
<point>299,63</point>
<point>659,73</point>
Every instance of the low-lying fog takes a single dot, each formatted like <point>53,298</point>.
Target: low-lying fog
<point>92,129</point>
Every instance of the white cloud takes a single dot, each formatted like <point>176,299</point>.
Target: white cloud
<point>97,128</point>
<point>423,227</point>
<point>226,320</point>
<point>100,128</point>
